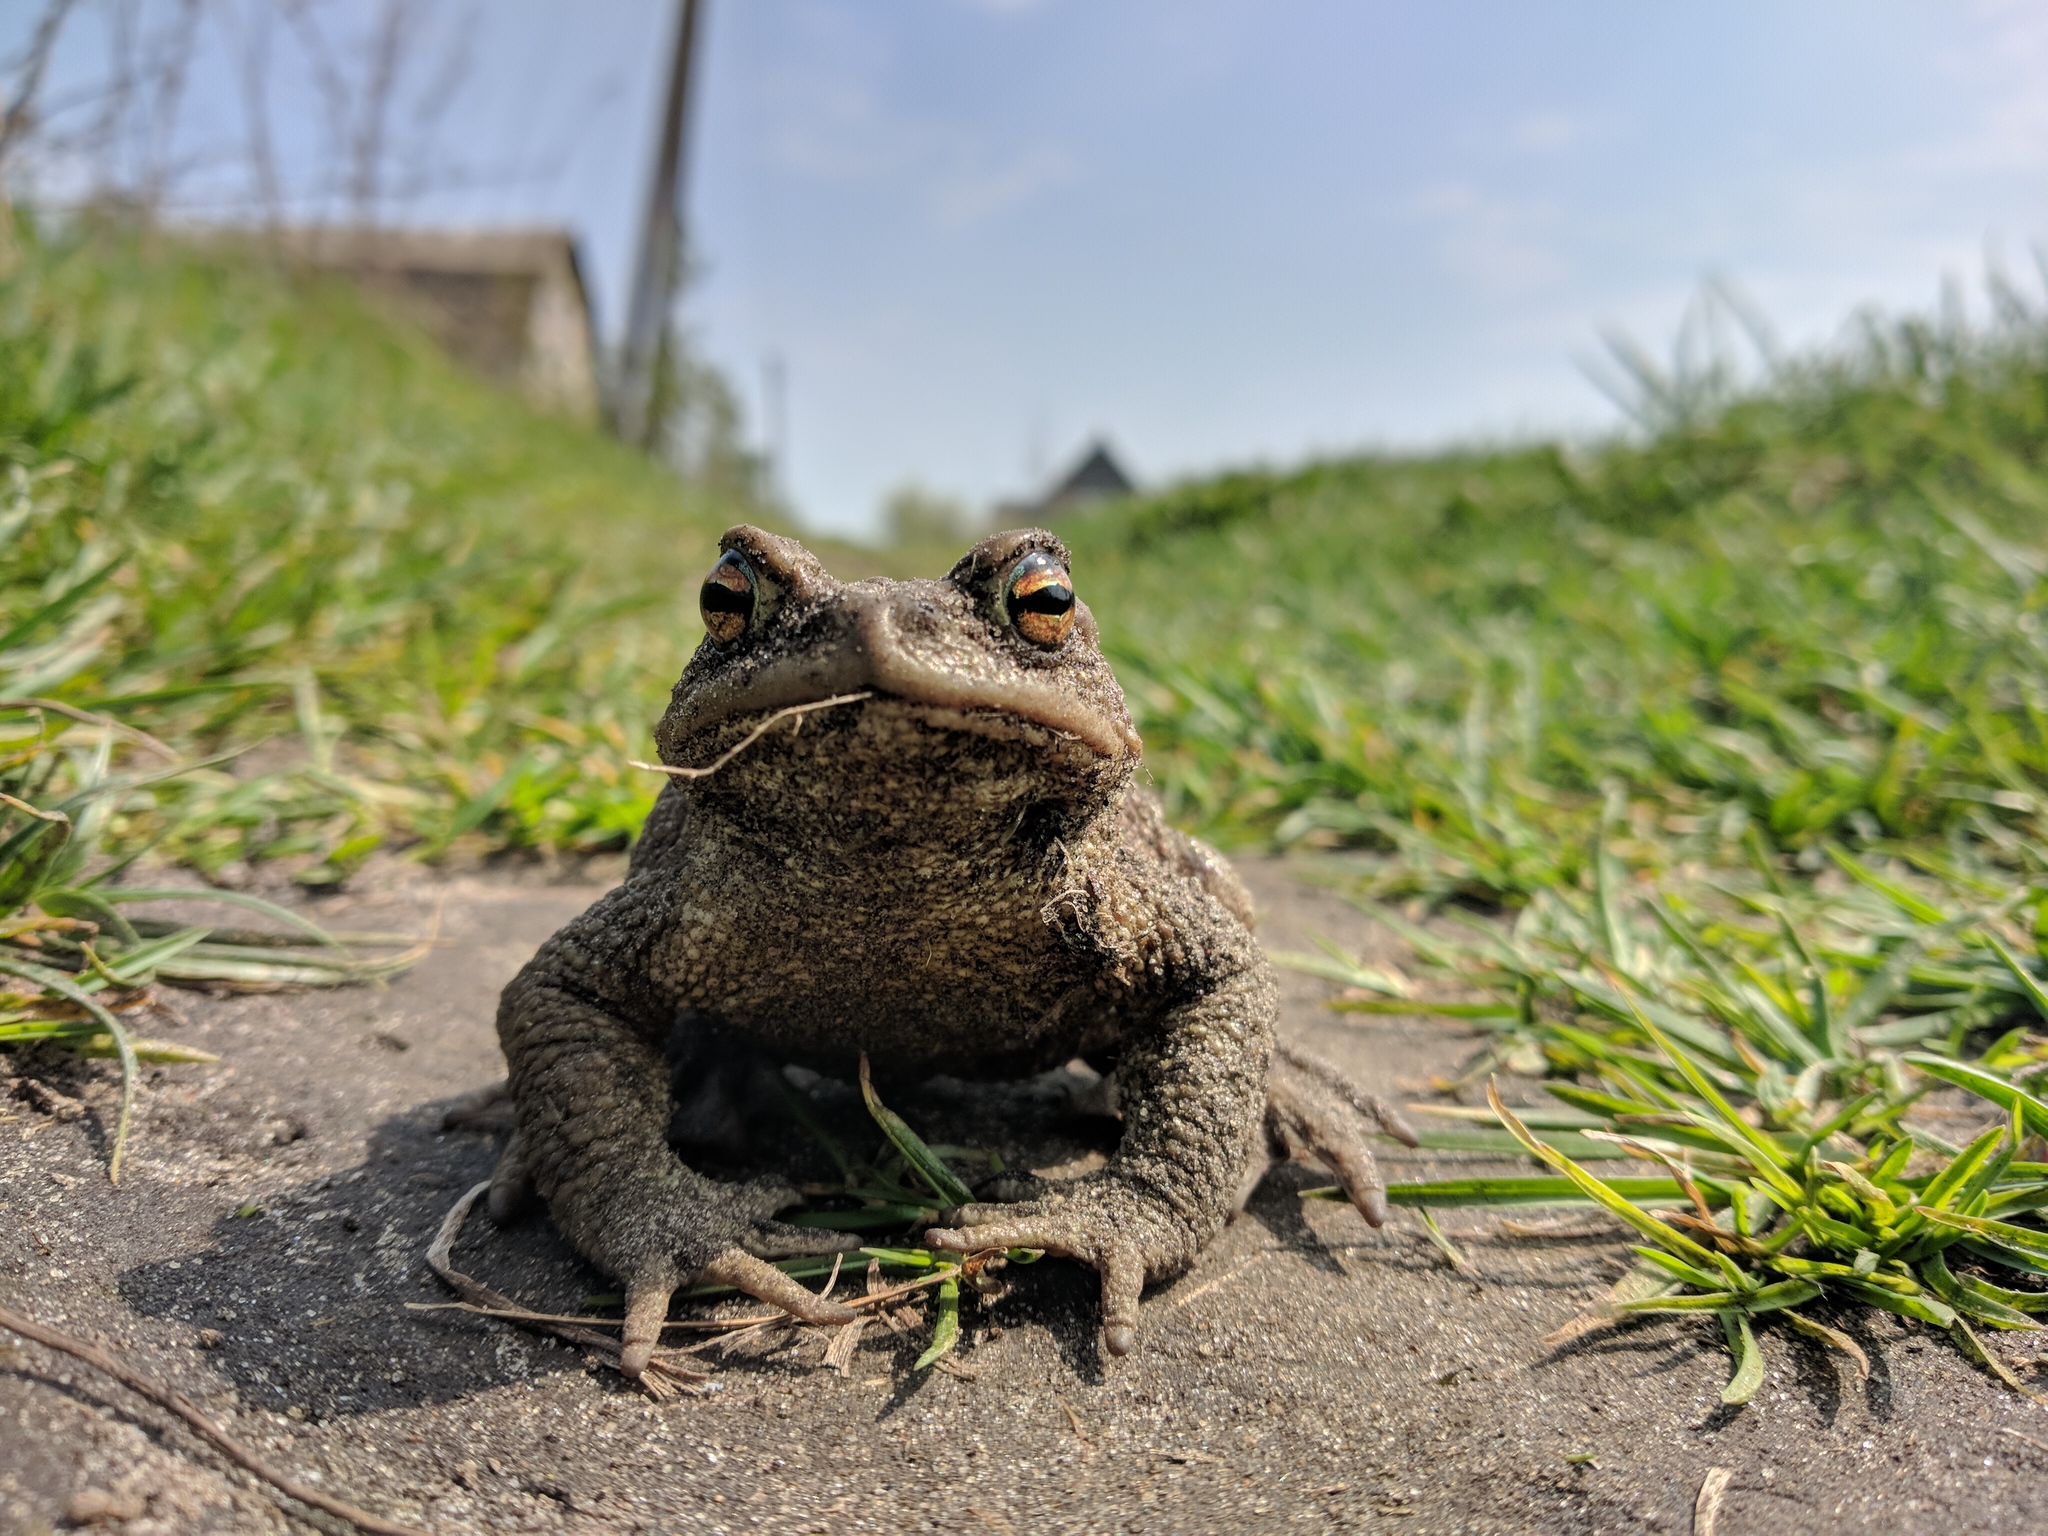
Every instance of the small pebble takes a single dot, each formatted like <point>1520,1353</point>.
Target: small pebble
<point>90,1506</point>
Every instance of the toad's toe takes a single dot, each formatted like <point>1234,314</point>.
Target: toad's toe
<point>1313,1108</point>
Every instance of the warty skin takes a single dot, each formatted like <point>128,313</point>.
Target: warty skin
<point>948,869</point>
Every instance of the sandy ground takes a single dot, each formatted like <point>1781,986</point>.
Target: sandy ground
<point>1309,1374</point>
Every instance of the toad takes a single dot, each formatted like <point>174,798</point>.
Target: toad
<point>904,822</point>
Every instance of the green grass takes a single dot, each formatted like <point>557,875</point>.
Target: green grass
<point>276,582</point>
<point>1778,661</point>
<point>1815,614</point>
<point>1768,1050</point>
<point>78,968</point>
<point>277,516</point>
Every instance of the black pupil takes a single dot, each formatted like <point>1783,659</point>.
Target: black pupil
<point>717,597</point>
<point>1054,597</point>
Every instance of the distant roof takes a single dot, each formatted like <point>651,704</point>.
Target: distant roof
<point>1098,474</point>
<point>1096,477</point>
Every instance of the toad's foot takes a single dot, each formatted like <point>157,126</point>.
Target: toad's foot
<point>648,1296</point>
<point>1126,1234</point>
<point>1312,1109</point>
<point>722,1234</point>
<point>738,1214</point>
<point>486,1109</point>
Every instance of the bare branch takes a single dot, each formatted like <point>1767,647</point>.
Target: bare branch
<point>328,79</point>
<point>432,101</point>
<point>108,132</point>
<point>170,69</point>
<point>176,1402</point>
<point>252,49</point>
<point>21,111</point>
<point>373,109</point>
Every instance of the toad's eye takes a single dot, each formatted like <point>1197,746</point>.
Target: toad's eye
<point>727,598</point>
<point>1041,600</point>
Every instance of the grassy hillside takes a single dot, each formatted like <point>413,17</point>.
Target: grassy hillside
<point>1811,615</point>
<point>1748,723</point>
<point>240,505</point>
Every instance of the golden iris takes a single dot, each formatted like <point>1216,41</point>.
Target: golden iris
<point>727,598</point>
<point>1042,600</point>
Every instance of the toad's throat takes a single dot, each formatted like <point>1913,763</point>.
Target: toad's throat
<point>865,666</point>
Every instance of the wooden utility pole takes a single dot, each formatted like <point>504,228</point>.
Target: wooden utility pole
<point>659,269</point>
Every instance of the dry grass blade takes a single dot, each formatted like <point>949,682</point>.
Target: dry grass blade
<point>1578,1327</point>
<point>1706,1509</point>
<point>1562,1229</point>
<point>1834,1338</point>
<point>839,1353</point>
<point>780,1323</point>
<point>1223,1279</point>
<point>64,987</point>
<point>176,1402</point>
<point>750,738</point>
<point>831,1280</point>
<point>523,1315</point>
<point>1638,1284</point>
<point>89,717</point>
<point>1974,1348</point>
<point>883,1298</point>
<point>55,818</point>
<point>1442,1243</point>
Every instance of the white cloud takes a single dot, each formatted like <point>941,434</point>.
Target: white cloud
<point>1500,246</point>
<point>834,125</point>
<point>969,195</point>
<point>2007,72</point>
<point>1549,133</point>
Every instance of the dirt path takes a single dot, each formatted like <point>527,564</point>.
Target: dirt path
<point>1310,1374</point>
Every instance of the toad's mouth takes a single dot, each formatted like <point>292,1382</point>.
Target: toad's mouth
<point>976,700</point>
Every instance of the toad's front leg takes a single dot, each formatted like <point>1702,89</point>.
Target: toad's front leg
<point>1193,1091</point>
<point>581,1027</point>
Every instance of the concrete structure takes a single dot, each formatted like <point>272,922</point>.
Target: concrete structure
<point>509,303</point>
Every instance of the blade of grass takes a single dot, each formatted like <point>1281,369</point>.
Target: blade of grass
<point>1924,1309</point>
<point>63,986</point>
<point>285,915</point>
<point>1664,1236</point>
<point>1769,1158</point>
<point>1984,1084</point>
<point>927,1164</point>
<point>946,1329</point>
<point>1442,1244</point>
<point>1834,1338</point>
<point>1507,1192</point>
<point>1943,1282</point>
<point>2026,978</point>
<point>1973,1347</point>
<point>1749,1360</point>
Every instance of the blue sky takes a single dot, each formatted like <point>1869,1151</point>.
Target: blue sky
<point>1221,231</point>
